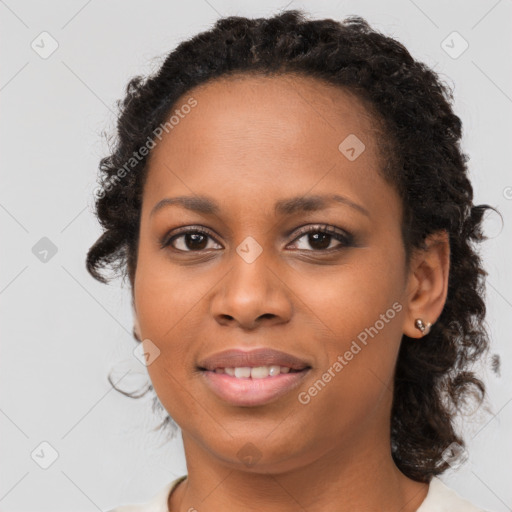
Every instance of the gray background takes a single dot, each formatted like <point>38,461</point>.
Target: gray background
<point>62,331</point>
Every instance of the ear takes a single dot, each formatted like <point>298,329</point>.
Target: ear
<point>427,286</point>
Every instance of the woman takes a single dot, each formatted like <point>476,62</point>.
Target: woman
<point>290,203</point>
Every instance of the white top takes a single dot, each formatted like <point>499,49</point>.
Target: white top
<point>440,498</point>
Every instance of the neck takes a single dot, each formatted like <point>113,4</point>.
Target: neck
<point>354,476</point>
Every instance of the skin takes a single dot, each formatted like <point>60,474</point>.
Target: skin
<point>248,143</point>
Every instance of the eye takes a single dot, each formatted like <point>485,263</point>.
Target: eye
<point>190,240</point>
<point>321,238</point>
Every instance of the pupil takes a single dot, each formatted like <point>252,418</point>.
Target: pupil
<point>191,240</point>
<point>324,240</point>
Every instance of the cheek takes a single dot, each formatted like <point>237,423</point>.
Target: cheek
<point>352,397</point>
<point>354,380</point>
<point>161,304</point>
<point>164,293</point>
<point>164,304</point>
<point>348,298</point>
<point>358,307</point>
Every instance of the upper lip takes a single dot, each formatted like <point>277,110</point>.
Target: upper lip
<point>234,358</point>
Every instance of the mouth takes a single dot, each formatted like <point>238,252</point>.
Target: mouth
<point>252,378</point>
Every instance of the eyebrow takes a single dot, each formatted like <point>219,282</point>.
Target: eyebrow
<point>208,206</point>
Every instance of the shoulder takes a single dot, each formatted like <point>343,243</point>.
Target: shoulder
<point>158,502</point>
<point>441,498</point>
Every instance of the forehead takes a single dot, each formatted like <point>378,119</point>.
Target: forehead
<point>252,136</point>
<point>291,92</point>
<point>271,109</point>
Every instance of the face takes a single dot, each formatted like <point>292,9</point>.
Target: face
<point>263,272</point>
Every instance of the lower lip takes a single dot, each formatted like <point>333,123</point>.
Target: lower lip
<point>251,392</point>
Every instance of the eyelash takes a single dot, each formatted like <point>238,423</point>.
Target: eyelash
<point>346,239</point>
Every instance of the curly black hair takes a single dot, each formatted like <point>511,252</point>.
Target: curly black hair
<point>420,136</point>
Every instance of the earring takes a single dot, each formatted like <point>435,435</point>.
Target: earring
<point>425,329</point>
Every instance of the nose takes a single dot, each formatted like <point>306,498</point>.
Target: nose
<point>250,295</point>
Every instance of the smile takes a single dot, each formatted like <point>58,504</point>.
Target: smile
<point>257,372</point>
<point>251,387</point>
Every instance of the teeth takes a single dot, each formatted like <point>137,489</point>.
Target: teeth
<point>274,370</point>
<point>244,371</point>
<point>258,372</point>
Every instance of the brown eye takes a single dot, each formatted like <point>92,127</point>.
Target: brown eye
<point>320,238</point>
<point>192,240</point>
